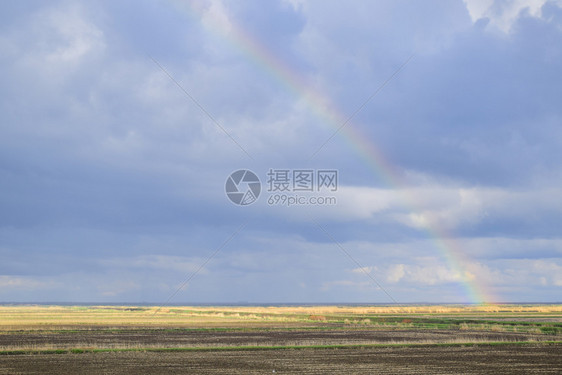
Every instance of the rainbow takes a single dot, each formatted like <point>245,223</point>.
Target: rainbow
<point>450,250</point>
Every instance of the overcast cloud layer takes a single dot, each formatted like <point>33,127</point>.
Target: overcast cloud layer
<point>112,179</point>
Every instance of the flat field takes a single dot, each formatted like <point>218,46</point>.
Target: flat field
<point>287,339</point>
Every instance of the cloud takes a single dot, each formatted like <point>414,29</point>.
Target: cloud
<point>58,41</point>
<point>157,262</point>
<point>280,269</point>
<point>433,274</point>
<point>110,289</point>
<point>112,179</point>
<point>443,207</point>
<point>345,284</point>
<point>549,272</point>
<point>396,273</point>
<point>503,14</point>
<point>10,283</point>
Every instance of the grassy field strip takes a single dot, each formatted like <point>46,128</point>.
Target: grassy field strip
<point>318,342</point>
<point>497,318</point>
<point>534,328</point>
<point>280,347</point>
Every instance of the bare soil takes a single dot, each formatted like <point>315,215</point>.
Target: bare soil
<point>509,359</point>
<point>151,338</point>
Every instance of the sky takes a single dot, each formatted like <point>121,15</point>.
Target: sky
<point>121,122</point>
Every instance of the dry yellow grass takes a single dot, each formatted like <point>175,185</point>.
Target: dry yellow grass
<point>57,317</point>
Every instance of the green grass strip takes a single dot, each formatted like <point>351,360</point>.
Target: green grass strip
<point>280,347</point>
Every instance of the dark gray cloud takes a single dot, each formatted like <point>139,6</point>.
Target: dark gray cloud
<point>112,179</point>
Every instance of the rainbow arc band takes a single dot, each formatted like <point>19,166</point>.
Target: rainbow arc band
<point>256,52</point>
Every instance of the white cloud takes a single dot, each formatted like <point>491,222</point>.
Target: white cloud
<point>8,283</point>
<point>157,262</point>
<point>362,202</point>
<point>549,272</point>
<point>116,287</point>
<point>60,38</point>
<point>503,14</point>
<point>494,274</point>
<point>216,17</point>
<point>77,37</point>
<point>396,273</point>
<point>83,122</point>
<point>444,207</point>
<point>478,8</point>
<point>429,273</point>
<point>438,206</point>
<point>330,285</point>
<point>425,271</point>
